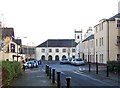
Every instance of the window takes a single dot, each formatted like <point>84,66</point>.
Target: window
<point>43,51</point>
<point>12,48</point>
<point>99,27</point>
<point>102,40</point>
<point>102,26</point>
<point>64,50</point>
<point>118,23</point>
<point>57,50</point>
<point>50,50</point>
<point>96,42</point>
<point>96,29</point>
<point>73,50</point>
<point>77,37</point>
<point>102,57</point>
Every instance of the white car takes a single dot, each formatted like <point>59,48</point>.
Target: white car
<point>64,61</point>
<point>31,63</point>
<point>77,61</point>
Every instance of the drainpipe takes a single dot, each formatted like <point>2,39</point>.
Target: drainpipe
<point>108,38</point>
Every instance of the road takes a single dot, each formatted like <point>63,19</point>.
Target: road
<point>79,78</point>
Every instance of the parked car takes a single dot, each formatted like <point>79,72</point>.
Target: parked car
<point>64,61</point>
<point>31,63</point>
<point>77,61</point>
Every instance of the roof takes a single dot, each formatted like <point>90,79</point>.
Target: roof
<point>115,16</point>
<point>7,32</point>
<point>89,38</point>
<point>58,43</point>
<point>18,41</point>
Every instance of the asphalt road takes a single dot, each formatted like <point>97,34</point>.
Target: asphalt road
<point>79,78</point>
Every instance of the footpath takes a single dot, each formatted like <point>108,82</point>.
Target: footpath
<point>102,74</point>
<point>35,77</point>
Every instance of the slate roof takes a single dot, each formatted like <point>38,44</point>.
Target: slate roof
<point>58,43</point>
<point>115,16</point>
<point>89,38</point>
<point>18,41</point>
<point>7,32</point>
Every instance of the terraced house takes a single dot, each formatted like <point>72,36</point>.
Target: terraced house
<point>107,39</point>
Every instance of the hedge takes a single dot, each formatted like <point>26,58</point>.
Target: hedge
<point>114,66</point>
<point>10,70</point>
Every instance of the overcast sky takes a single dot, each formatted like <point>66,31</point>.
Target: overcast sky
<point>40,20</point>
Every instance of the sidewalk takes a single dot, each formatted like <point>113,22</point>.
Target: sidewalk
<point>35,77</point>
<point>102,75</point>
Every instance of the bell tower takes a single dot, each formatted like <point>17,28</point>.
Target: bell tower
<point>78,36</point>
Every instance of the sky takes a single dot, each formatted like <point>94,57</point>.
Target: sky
<point>39,20</point>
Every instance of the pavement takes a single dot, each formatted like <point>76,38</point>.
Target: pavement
<point>102,74</point>
<point>35,77</point>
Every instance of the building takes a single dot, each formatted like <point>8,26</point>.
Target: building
<point>87,46</point>
<point>107,39</point>
<point>56,49</point>
<point>28,52</point>
<point>88,49</point>
<point>10,47</point>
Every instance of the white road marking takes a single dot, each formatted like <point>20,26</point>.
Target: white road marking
<point>91,78</point>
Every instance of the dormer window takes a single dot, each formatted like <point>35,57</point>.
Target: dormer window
<point>118,23</point>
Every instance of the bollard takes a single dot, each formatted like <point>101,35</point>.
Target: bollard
<point>46,69</point>
<point>89,67</point>
<point>107,71</point>
<point>58,79</point>
<point>23,68</point>
<point>49,72</point>
<point>97,68</point>
<point>53,76</point>
<point>68,81</point>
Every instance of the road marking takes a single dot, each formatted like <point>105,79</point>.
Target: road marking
<point>92,78</point>
<point>42,69</point>
<point>62,73</point>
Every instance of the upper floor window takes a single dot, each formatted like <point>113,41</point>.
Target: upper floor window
<point>57,50</point>
<point>118,23</point>
<point>96,29</point>
<point>50,50</point>
<point>64,50</point>
<point>73,50</point>
<point>43,51</point>
<point>12,48</point>
<point>96,42</point>
<point>102,40</point>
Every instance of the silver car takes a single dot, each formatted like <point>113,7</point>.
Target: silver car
<point>77,61</point>
<point>64,61</point>
<point>30,64</point>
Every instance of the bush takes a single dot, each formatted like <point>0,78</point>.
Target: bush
<point>10,70</point>
<point>114,66</point>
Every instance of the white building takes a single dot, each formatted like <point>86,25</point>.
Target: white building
<point>56,49</point>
